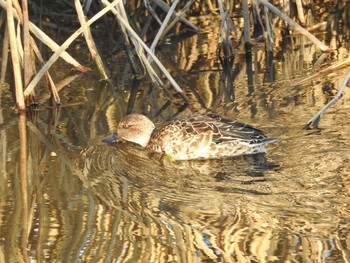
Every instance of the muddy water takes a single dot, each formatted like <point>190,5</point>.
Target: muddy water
<point>67,197</point>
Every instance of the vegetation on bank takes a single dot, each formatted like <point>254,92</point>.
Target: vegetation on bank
<point>137,20</point>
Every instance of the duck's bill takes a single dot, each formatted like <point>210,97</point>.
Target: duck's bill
<point>110,138</point>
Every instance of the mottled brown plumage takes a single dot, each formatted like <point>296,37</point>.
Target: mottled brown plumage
<point>195,136</point>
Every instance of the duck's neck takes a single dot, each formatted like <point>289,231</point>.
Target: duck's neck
<point>144,140</point>
<point>153,134</point>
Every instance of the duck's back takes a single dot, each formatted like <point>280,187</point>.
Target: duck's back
<point>209,136</point>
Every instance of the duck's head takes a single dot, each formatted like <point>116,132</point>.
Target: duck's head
<point>135,128</point>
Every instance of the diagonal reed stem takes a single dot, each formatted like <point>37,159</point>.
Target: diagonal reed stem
<point>47,41</point>
<point>164,24</point>
<point>102,70</point>
<point>295,25</point>
<point>152,55</point>
<point>65,45</point>
<point>316,119</point>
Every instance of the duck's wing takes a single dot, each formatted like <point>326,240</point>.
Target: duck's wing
<point>225,130</point>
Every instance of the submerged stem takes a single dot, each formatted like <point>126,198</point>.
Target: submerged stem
<point>316,119</point>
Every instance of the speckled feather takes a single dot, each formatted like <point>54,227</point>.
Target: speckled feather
<point>207,136</point>
<point>197,136</point>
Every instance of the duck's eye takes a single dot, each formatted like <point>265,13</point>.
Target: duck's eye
<point>125,126</point>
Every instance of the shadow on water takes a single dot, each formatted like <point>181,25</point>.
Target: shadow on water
<point>132,162</point>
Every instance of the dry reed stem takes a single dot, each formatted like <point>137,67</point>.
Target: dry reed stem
<point>90,42</point>
<point>163,25</point>
<point>64,46</point>
<point>135,66</point>
<point>183,20</point>
<point>52,87</point>
<point>156,60</point>
<point>316,119</point>
<point>225,28</point>
<point>14,55</point>
<point>178,17</point>
<point>4,56</point>
<point>48,78</point>
<point>334,66</point>
<point>312,28</point>
<point>301,16</point>
<point>48,41</point>
<point>27,59</point>
<point>295,25</point>
<point>150,70</point>
<point>268,29</point>
<point>58,86</point>
<point>245,14</point>
<point>152,12</point>
<point>139,50</point>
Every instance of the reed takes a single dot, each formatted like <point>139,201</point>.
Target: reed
<point>300,10</point>
<point>101,68</point>
<point>294,25</point>
<point>225,29</point>
<point>314,121</point>
<point>137,41</point>
<point>27,60</point>
<point>64,46</point>
<point>143,56</point>
<point>14,11</point>
<point>4,56</point>
<point>163,25</point>
<point>15,57</point>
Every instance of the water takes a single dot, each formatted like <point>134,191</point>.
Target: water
<point>67,197</point>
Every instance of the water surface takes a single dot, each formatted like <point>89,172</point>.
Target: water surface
<point>67,197</point>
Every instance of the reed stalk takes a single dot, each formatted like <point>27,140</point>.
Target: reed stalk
<point>15,57</point>
<point>246,30</point>
<point>324,71</point>
<point>152,12</point>
<point>136,68</point>
<point>52,87</point>
<point>269,30</point>
<point>4,56</point>
<point>119,10</point>
<point>48,77</point>
<point>147,49</point>
<point>301,16</point>
<point>314,121</point>
<point>295,25</point>
<point>225,28</point>
<point>44,38</point>
<point>183,20</point>
<point>101,68</point>
<point>178,17</point>
<point>163,25</point>
<point>64,46</point>
<point>27,58</point>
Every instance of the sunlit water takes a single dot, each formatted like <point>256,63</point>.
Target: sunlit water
<point>85,201</point>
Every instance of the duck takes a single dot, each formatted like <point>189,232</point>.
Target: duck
<point>195,136</point>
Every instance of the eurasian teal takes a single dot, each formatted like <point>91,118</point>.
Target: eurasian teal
<point>195,136</point>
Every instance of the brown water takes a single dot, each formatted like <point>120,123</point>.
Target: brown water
<point>67,197</point>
